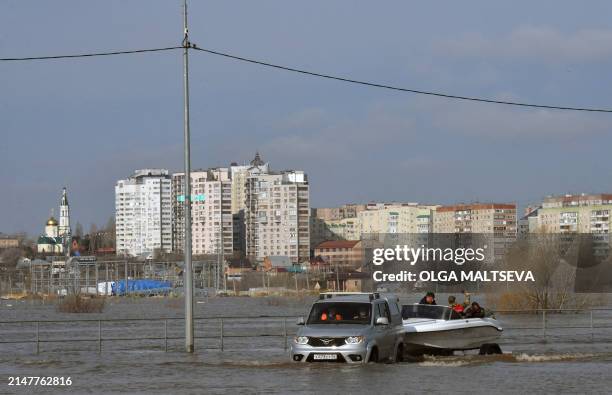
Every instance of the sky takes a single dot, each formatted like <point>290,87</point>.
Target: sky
<point>86,123</point>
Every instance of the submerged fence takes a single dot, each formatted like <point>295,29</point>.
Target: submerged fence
<point>116,334</point>
<point>262,332</point>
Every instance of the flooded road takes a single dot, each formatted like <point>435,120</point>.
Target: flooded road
<point>566,361</point>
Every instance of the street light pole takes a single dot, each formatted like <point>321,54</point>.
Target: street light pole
<point>187,270</point>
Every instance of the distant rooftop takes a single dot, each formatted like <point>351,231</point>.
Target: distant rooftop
<point>338,244</point>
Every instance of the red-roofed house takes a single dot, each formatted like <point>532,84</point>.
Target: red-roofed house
<point>341,253</point>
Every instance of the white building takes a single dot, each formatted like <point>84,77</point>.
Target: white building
<point>64,223</point>
<point>50,242</point>
<point>143,213</point>
<point>211,216</point>
<point>239,175</point>
<point>404,218</point>
<point>277,216</point>
<point>57,235</point>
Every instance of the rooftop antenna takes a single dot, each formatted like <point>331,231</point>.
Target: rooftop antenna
<point>188,269</point>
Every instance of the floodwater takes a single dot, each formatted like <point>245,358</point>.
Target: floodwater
<point>570,359</point>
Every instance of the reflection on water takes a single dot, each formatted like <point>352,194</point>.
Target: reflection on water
<point>568,361</point>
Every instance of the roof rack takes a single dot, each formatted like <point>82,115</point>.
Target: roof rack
<point>329,295</point>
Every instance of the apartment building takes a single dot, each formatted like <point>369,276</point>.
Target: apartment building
<point>211,215</point>
<point>143,213</point>
<point>403,218</point>
<point>239,175</point>
<point>277,216</point>
<point>337,213</point>
<point>495,222</point>
<point>575,214</point>
<point>333,229</point>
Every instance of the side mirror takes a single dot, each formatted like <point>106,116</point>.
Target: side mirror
<point>299,321</point>
<point>382,321</point>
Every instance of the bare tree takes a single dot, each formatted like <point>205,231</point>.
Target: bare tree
<point>9,258</point>
<point>552,260</point>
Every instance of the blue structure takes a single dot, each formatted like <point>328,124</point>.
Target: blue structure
<point>142,287</point>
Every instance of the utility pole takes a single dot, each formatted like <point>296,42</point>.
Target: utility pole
<point>188,269</point>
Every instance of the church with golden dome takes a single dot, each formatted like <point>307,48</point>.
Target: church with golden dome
<point>57,235</point>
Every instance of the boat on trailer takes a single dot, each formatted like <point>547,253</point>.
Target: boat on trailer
<point>439,330</point>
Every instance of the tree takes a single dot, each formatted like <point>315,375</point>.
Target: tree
<point>9,258</point>
<point>552,258</point>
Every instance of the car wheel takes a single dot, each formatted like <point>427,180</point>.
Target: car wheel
<point>373,355</point>
<point>399,353</point>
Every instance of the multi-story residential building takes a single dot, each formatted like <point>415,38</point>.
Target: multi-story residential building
<point>579,214</point>
<point>332,229</point>
<point>575,214</point>
<point>404,218</point>
<point>239,175</point>
<point>143,213</point>
<point>528,223</point>
<point>370,219</point>
<point>335,223</point>
<point>342,212</point>
<point>277,216</point>
<point>496,222</point>
<point>211,214</point>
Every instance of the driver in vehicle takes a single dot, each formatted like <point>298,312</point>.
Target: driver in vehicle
<point>362,315</point>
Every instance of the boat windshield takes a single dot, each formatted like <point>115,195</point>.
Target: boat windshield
<point>340,313</point>
<point>426,311</point>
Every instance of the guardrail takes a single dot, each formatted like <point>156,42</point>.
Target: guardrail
<point>164,338</point>
<point>145,329</point>
<point>547,312</point>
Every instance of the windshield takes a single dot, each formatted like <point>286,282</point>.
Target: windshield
<point>340,313</point>
<point>426,311</point>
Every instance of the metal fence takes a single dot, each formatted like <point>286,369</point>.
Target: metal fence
<point>266,332</point>
<point>60,278</point>
<point>159,333</point>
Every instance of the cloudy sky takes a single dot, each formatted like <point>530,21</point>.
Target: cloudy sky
<point>86,123</point>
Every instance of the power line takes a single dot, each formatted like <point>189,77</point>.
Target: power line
<point>314,74</point>
<point>395,88</point>
<point>86,55</point>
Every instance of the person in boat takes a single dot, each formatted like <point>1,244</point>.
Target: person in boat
<point>466,300</point>
<point>429,298</point>
<point>452,303</point>
<point>474,311</point>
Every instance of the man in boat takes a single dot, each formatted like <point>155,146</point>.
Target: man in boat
<point>474,311</point>
<point>452,303</point>
<point>429,298</point>
<point>466,300</point>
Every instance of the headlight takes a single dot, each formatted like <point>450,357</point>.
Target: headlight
<point>354,339</point>
<point>301,339</point>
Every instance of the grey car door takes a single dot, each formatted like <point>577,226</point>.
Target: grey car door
<point>382,331</point>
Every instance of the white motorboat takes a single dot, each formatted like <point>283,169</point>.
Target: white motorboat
<point>440,330</point>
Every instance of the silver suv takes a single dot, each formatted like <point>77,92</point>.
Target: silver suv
<point>352,328</point>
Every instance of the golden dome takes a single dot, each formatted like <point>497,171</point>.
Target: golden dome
<point>51,222</point>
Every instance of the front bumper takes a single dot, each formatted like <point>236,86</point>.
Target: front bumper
<point>349,353</point>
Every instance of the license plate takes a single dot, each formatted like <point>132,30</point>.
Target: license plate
<point>325,357</point>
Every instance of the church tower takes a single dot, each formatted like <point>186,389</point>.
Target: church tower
<point>64,223</point>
